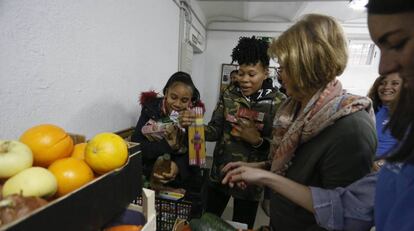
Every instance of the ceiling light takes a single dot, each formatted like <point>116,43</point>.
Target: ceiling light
<point>358,4</point>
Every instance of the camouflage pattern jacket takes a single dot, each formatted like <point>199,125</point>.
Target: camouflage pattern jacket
<point>228,148</point>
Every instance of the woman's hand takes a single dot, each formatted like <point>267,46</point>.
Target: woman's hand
<point>166,177</point>
<point>233,165</point>
<point>295,192</point>
<point>246,130</point>
<point>244,175</point>
<point>186,118</point>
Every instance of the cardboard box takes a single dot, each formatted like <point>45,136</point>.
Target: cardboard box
<point>91,206</point>
<point>126,133</point>
<point>77,138</point>
<point>148,209</point>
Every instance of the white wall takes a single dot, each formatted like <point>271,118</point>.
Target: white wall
<point>81,64</point>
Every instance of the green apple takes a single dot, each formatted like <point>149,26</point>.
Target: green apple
<point>14,157</point>
<point>34,181</point>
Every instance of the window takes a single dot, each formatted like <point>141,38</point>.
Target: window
<point>361,52</point>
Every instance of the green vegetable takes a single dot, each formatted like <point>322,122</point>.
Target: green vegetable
<point>210,222</point>
<point>198,225</point>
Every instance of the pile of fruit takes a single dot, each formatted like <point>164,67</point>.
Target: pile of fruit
<point>45,164</point>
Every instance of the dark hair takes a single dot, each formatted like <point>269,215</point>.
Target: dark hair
<point>402,118</point>
<point>184,78</point>
<point>401,126</point>
<point>389,6</point>
<point>233,71</point>
<point>373,93</point>
<point>250,51</point>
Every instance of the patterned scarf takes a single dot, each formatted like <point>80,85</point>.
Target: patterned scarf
<point>323,109</point>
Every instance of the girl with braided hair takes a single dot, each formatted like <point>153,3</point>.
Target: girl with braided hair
<point>179,93</point>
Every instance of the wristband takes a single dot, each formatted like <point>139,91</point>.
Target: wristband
<point>260,143</point>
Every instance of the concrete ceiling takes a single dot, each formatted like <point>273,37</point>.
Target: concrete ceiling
<point>277,10</point>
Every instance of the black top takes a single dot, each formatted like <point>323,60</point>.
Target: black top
<point>338,156</point>
<point>151,150</point>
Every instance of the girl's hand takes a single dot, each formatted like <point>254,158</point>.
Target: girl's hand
<point>171,135</point>
<point>377,165</point>
<point>246,130</point>
<point>166,177</point>
<point>169,176</point>
<point>186,118</point>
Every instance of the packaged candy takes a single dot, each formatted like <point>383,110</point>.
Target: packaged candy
<point>196,140</point>
<point>155,130</point>
<point>250,114</point>
<point>244,114</point>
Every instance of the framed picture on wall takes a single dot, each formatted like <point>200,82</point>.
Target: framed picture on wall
<point>226,69</point>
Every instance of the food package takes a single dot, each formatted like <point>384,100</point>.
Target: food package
<point>246,114</point>
<point>155,130</point>
<point>196,139</point>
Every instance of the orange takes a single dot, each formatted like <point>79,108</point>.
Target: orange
<point>79,151</point>
<point>70,173</point>
<point>48,143</point>
<point>106,152</point>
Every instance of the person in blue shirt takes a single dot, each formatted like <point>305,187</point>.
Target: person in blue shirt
<point>383,93</point>
<point>390,193</point>
<point>391,25</point>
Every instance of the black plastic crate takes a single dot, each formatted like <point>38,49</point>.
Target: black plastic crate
<point>168,211</point>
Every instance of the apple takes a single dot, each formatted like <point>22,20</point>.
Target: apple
<point>34,181</point>
<point>14,157</point>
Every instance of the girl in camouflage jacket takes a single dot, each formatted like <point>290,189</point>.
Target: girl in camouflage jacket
<point>241,125</point>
